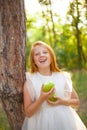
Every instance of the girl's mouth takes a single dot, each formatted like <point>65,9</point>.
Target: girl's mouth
<point>42,61</point>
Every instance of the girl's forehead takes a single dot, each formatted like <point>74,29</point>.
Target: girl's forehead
<point>40,47</point>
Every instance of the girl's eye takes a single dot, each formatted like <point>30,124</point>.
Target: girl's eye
<point>45,52</point>
<point>36,54</point>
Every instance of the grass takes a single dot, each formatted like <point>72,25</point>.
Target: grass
<point>79,79</point>
<point>80,83</point>
<point>4,125</point>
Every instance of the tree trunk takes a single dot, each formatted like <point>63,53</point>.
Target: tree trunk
<point>12,60</point>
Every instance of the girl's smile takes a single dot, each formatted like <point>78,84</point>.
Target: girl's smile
<point>42,57</point>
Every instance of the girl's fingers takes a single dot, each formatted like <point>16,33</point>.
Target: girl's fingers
<point>52,91</point>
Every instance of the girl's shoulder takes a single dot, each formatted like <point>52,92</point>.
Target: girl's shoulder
<point>30,75</point>
<point>27,74</point>
<point>64,73</point>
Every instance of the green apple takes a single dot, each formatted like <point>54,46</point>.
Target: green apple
<point>48,86</point>
<point>53,98</point>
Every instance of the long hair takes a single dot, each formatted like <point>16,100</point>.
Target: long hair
<point>53,66</point>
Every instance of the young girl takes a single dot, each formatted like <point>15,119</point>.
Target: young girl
<point>41,113</point>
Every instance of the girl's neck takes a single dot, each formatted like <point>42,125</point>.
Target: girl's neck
<point>45,72</point>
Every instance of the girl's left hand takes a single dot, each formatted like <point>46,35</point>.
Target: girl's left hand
<point>72,101</point>
<point>55,103</point>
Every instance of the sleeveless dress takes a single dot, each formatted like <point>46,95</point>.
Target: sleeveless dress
<point>52,117</point>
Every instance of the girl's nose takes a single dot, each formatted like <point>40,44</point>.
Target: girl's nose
<point>41,54</point>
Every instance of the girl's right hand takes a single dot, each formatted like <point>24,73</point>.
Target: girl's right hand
<point>46,95</point>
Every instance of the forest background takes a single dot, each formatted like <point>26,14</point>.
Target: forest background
<point>68,37</point>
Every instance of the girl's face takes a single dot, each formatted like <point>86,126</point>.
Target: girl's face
<point>42,57</point>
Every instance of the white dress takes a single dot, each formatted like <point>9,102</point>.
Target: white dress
<point>52,117</point>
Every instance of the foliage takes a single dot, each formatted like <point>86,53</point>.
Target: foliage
<point>75,17</point>
<point>48,27</point>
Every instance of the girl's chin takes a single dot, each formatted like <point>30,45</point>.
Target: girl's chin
<point>43,67</point>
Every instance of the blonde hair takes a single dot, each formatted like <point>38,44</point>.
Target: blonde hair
<point>53,66</point>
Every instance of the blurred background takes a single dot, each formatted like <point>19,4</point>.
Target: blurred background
<point>63,25</point>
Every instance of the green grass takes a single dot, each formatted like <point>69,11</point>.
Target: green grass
<point>79,79</point>
<point>80,83</point>
<point>4,125</point>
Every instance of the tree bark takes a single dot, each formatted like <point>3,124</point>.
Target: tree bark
<point>12,60</point>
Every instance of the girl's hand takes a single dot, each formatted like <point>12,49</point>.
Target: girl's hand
<point>65,102</point>
<point>55,103</point>
<point>59,101</point>
<point>45,95</point>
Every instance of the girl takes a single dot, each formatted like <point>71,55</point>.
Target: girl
<point>41,113</point>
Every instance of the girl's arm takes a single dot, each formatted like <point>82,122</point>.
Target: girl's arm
<point>73,101</point>
<point>30,107</point>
